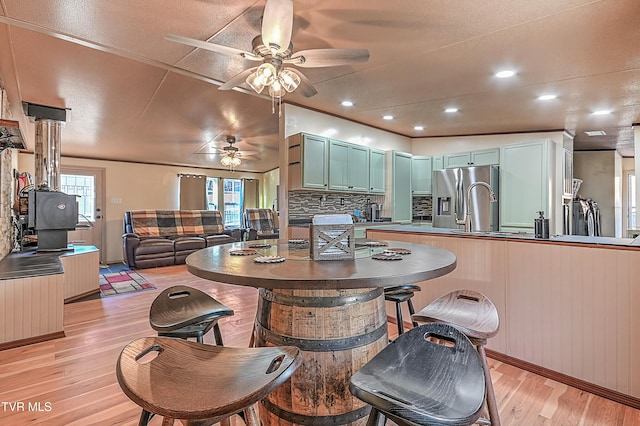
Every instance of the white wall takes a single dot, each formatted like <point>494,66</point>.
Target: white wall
<point>139,186</point>
<point>453,144</point>
<point>601,174</point>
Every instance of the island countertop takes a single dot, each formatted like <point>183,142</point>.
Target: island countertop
<point>554,239</point>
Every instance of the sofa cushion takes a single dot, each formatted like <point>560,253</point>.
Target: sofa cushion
<point>201,222</point>
<point>214,240</point>
<point>154,246</point>
<point>189,243</point>
<point>156,223</point>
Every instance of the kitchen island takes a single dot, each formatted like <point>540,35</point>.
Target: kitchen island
<point>34,287</point>
<point>569,306</point>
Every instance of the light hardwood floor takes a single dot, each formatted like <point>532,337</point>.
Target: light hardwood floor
<point>73,379</point>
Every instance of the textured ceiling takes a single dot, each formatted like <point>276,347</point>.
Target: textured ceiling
<point>135,96</point>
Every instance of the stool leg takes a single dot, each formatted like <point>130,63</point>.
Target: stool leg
<point>374,417</point>
<point>218,335</point>
<point>145,416</point>
<point>492,405</point>
<point>411,311</point>
<point>251,417</point>
<point>399,319</point>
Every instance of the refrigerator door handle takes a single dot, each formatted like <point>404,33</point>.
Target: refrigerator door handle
<point>459,204</point>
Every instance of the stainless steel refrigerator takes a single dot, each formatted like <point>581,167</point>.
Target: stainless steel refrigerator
<point>450,191</point>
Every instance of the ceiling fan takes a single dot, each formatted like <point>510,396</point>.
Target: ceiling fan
<point>231,155</point>
<point>274,49</point>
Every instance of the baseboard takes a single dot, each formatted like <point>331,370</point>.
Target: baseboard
<point>31,340</point>
<point>613,395</point>
<point>583,385</point>
<point>81,296</point>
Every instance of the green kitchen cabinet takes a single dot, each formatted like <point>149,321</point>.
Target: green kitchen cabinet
<point>482,157</point>
<point>524,184</point>
<point>438,162</point>
<point>376,171</point>
<point>308,162</point>
<point>421,170</point>
<point>348,167</point>
<point>401,202</point>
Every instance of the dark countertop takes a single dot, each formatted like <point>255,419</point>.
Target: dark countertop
<point>571,239</point>
<point>30,263</point>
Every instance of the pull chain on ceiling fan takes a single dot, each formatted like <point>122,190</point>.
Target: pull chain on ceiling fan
<point>274,49</point>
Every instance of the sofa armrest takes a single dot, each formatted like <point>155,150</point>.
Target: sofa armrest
<point>130,242</point>
<point>236,234</point>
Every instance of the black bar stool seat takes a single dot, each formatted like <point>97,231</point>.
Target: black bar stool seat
<point>186,312</point>
<point>400,294</point>
<point>201,384</point>
<point>430,375</point>
<point>477,317</point>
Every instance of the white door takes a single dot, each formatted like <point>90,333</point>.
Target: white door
<point>87,184</point>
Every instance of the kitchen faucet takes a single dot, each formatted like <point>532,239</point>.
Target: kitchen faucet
<point>467,216</point>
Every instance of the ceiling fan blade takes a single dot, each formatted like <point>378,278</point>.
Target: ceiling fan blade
<point>237,79</point>
<point>226,50</point>
<point>277,23</point>
<point>315,58</point>
<point>305,88</point>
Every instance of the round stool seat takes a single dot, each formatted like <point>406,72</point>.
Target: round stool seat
<point>181,306</point>
<point>398,294</point>
<point>179,379</point>
<point>472,312</point>
<point>430,375</point>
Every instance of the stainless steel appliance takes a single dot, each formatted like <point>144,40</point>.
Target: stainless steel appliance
<point>373,212</point>
<point>586,218</point>
<point>452,187</point>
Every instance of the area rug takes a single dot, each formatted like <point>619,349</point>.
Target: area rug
<point>122,282</point>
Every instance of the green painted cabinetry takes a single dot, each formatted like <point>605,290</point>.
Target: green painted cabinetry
<point>348,167</point>
<point>308,162</point>
<point>376,171</point>
<point>401,208</point>
<point>421,169</point>
<point>482,157</point>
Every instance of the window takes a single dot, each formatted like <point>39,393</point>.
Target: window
<point>233,203</point>
<point>212,193</point>
<point>85,187</point>
<point>631,197</point>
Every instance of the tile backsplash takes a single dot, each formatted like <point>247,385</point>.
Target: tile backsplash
<point>305,204</point>
<point>422,206</point>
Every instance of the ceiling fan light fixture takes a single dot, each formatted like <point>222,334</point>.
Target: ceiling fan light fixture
<point>256,82</point>
<point>267,72</point>
<point>230,160</point>
<point>276,90</point>
<point>289,80</point>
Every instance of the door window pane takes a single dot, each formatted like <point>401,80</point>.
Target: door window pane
<point>632,201</point>
<point>232,202</point>
<point>212,193</point>
<point>85,188</point>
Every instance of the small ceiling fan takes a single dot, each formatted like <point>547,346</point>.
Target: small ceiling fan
<point>230,155</point>
<point>274,49</point>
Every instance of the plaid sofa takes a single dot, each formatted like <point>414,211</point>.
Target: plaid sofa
<point>261,224</point>
<point>166,237</point>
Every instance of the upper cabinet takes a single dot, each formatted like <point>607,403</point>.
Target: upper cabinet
<point>348,167</point>
<point>437,162</point>
<point>483,157</point>
<point>376,171</point>
<point>525,180</point>
<point>319,163</point>
<point>308,162</point>
<point>421,170</point>
<point>401,202</point>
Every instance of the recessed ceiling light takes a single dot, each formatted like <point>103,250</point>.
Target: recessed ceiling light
<point>387,117</point>
<point>451,110</point>
<point>347,103</point>
<point>418,128</point>
<point>505,74</point>
<point>546,97</point>
<point>595,133</point>
<point>602,112</point>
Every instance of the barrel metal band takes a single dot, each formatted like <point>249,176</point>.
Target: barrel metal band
<point>320,302</point>
<point>303,419</point>
<point>317,345</point>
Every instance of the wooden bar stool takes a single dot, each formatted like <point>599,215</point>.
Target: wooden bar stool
<point>399,294</point>
<point>201,384</point>
<point>430,375</point>
<point>185,312</point>
<point>477,317</point>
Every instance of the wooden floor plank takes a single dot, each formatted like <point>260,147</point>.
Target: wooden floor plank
<point>75,375</point>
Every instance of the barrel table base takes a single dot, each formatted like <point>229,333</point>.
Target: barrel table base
<point>338,332</point>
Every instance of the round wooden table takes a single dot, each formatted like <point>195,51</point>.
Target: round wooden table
<point>333,310</point>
